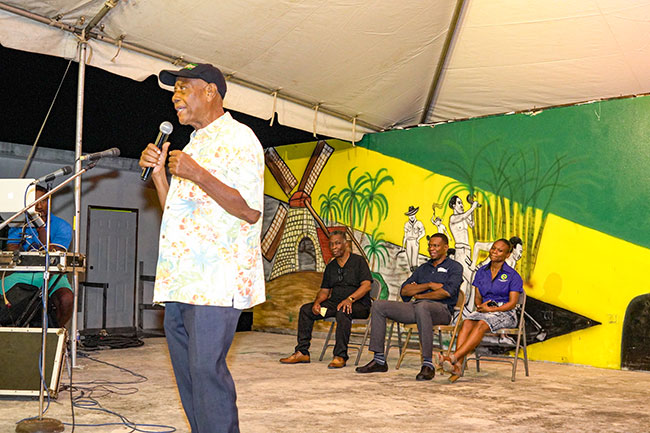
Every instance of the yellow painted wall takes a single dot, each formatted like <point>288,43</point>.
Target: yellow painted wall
<point>593,274</point>
<point>413,185</point>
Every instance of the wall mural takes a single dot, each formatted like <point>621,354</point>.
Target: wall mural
<point>291,280</point>
<point>542,181</point>
<point>513,203</point>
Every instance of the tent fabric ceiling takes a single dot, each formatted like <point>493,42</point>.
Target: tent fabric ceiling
<point>370,59</point>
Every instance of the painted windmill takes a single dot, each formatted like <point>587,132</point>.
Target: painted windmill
<point>293,224</point>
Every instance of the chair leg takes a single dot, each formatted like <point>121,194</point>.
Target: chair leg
<point>525,353</point>
<point>403,349</point>
<point>327,340</point>
<point>363,343</point>
<point>389,339</point>
<point>450,346</point>
<point>439,340</point>
<point>464,366</point>
<point>399,338</point>
<point>514,364</point>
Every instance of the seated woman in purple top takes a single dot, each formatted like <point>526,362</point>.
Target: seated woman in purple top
<point>497,291</point>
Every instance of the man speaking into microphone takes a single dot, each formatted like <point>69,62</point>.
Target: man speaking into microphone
<point>209,263</point>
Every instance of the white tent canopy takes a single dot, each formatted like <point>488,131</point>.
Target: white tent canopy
<point>384,63</point>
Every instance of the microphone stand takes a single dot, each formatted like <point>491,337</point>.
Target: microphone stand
<point>41,424</point>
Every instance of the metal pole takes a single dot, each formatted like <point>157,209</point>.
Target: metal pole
<point>442,61</point>
<point>44,298</point>
<point>76,220</point>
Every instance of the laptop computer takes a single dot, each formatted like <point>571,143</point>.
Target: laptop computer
<point>15,194</point>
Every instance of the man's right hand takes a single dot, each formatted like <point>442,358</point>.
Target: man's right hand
<point>316,308</point>
<point>153,157</point>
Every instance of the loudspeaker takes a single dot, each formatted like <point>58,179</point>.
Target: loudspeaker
<point>21,348</point>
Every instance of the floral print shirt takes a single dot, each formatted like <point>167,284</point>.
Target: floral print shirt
<point>206,255</point>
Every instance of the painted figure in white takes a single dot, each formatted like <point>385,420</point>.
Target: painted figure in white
<point>437,221</point>
<point>517,251</point>
<point>459,223</point>
<point>413,232</point>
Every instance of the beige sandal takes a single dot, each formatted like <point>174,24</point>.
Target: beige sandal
<point>448,365</point>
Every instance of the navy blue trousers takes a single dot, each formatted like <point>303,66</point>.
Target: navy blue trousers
<point>198,337</point>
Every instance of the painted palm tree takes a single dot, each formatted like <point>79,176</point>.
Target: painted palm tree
<point>376,249</point>
<point>330,206</point>
<point>351,199</point>
<point>496,181</point>
<point>372,199</point>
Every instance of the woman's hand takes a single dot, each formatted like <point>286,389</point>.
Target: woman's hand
<point>484,308</point>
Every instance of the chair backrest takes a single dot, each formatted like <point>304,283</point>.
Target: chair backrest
<point>458,308</point>
<point>521,302</point>
<point>460,303</point>
<point>375,289</point>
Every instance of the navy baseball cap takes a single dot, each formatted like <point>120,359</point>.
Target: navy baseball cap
<point>204,71</point>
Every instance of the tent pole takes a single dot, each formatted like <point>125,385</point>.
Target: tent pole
<point>83,47</point>
<point>444,58</point>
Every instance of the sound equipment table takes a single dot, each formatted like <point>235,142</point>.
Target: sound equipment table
<point>34,261</point>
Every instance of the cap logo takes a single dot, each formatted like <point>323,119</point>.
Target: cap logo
<point>190,66</point>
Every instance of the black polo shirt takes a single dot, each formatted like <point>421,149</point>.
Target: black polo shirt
<point>344,281</point>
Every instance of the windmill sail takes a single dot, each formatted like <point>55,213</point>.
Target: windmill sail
<point>280,171</point>
<point>273,235</point>
<point>319,157</point>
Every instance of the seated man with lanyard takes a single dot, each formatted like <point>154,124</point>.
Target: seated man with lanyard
<point>429,296</point>
<point>344,294</point>
<point>29,238</point>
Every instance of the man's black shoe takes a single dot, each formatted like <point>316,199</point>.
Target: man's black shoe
<point>426,373</point>
<point>372,367</point>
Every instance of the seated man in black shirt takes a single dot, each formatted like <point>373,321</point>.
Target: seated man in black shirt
<point>344,294</point>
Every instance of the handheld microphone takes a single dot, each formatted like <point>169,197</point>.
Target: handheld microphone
<point>113,151</point>
<point>166,128</point>
<point>63,171</point>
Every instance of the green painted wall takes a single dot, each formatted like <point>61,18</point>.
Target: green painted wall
<point>603,150</point>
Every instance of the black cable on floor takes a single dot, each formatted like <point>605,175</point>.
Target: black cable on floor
<point>99,342</point>
<point>87,398</point>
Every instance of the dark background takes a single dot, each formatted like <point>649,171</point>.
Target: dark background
<point>118,112</point>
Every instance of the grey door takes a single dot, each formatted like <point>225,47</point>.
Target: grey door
<point>111,251</point>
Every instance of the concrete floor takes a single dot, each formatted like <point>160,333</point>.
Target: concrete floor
<point>309,397</point>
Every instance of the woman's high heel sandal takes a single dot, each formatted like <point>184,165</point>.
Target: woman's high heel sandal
<point>448,365</point>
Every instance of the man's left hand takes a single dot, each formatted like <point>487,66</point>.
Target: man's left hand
<point>345,306</point>
<point>182,165</point>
